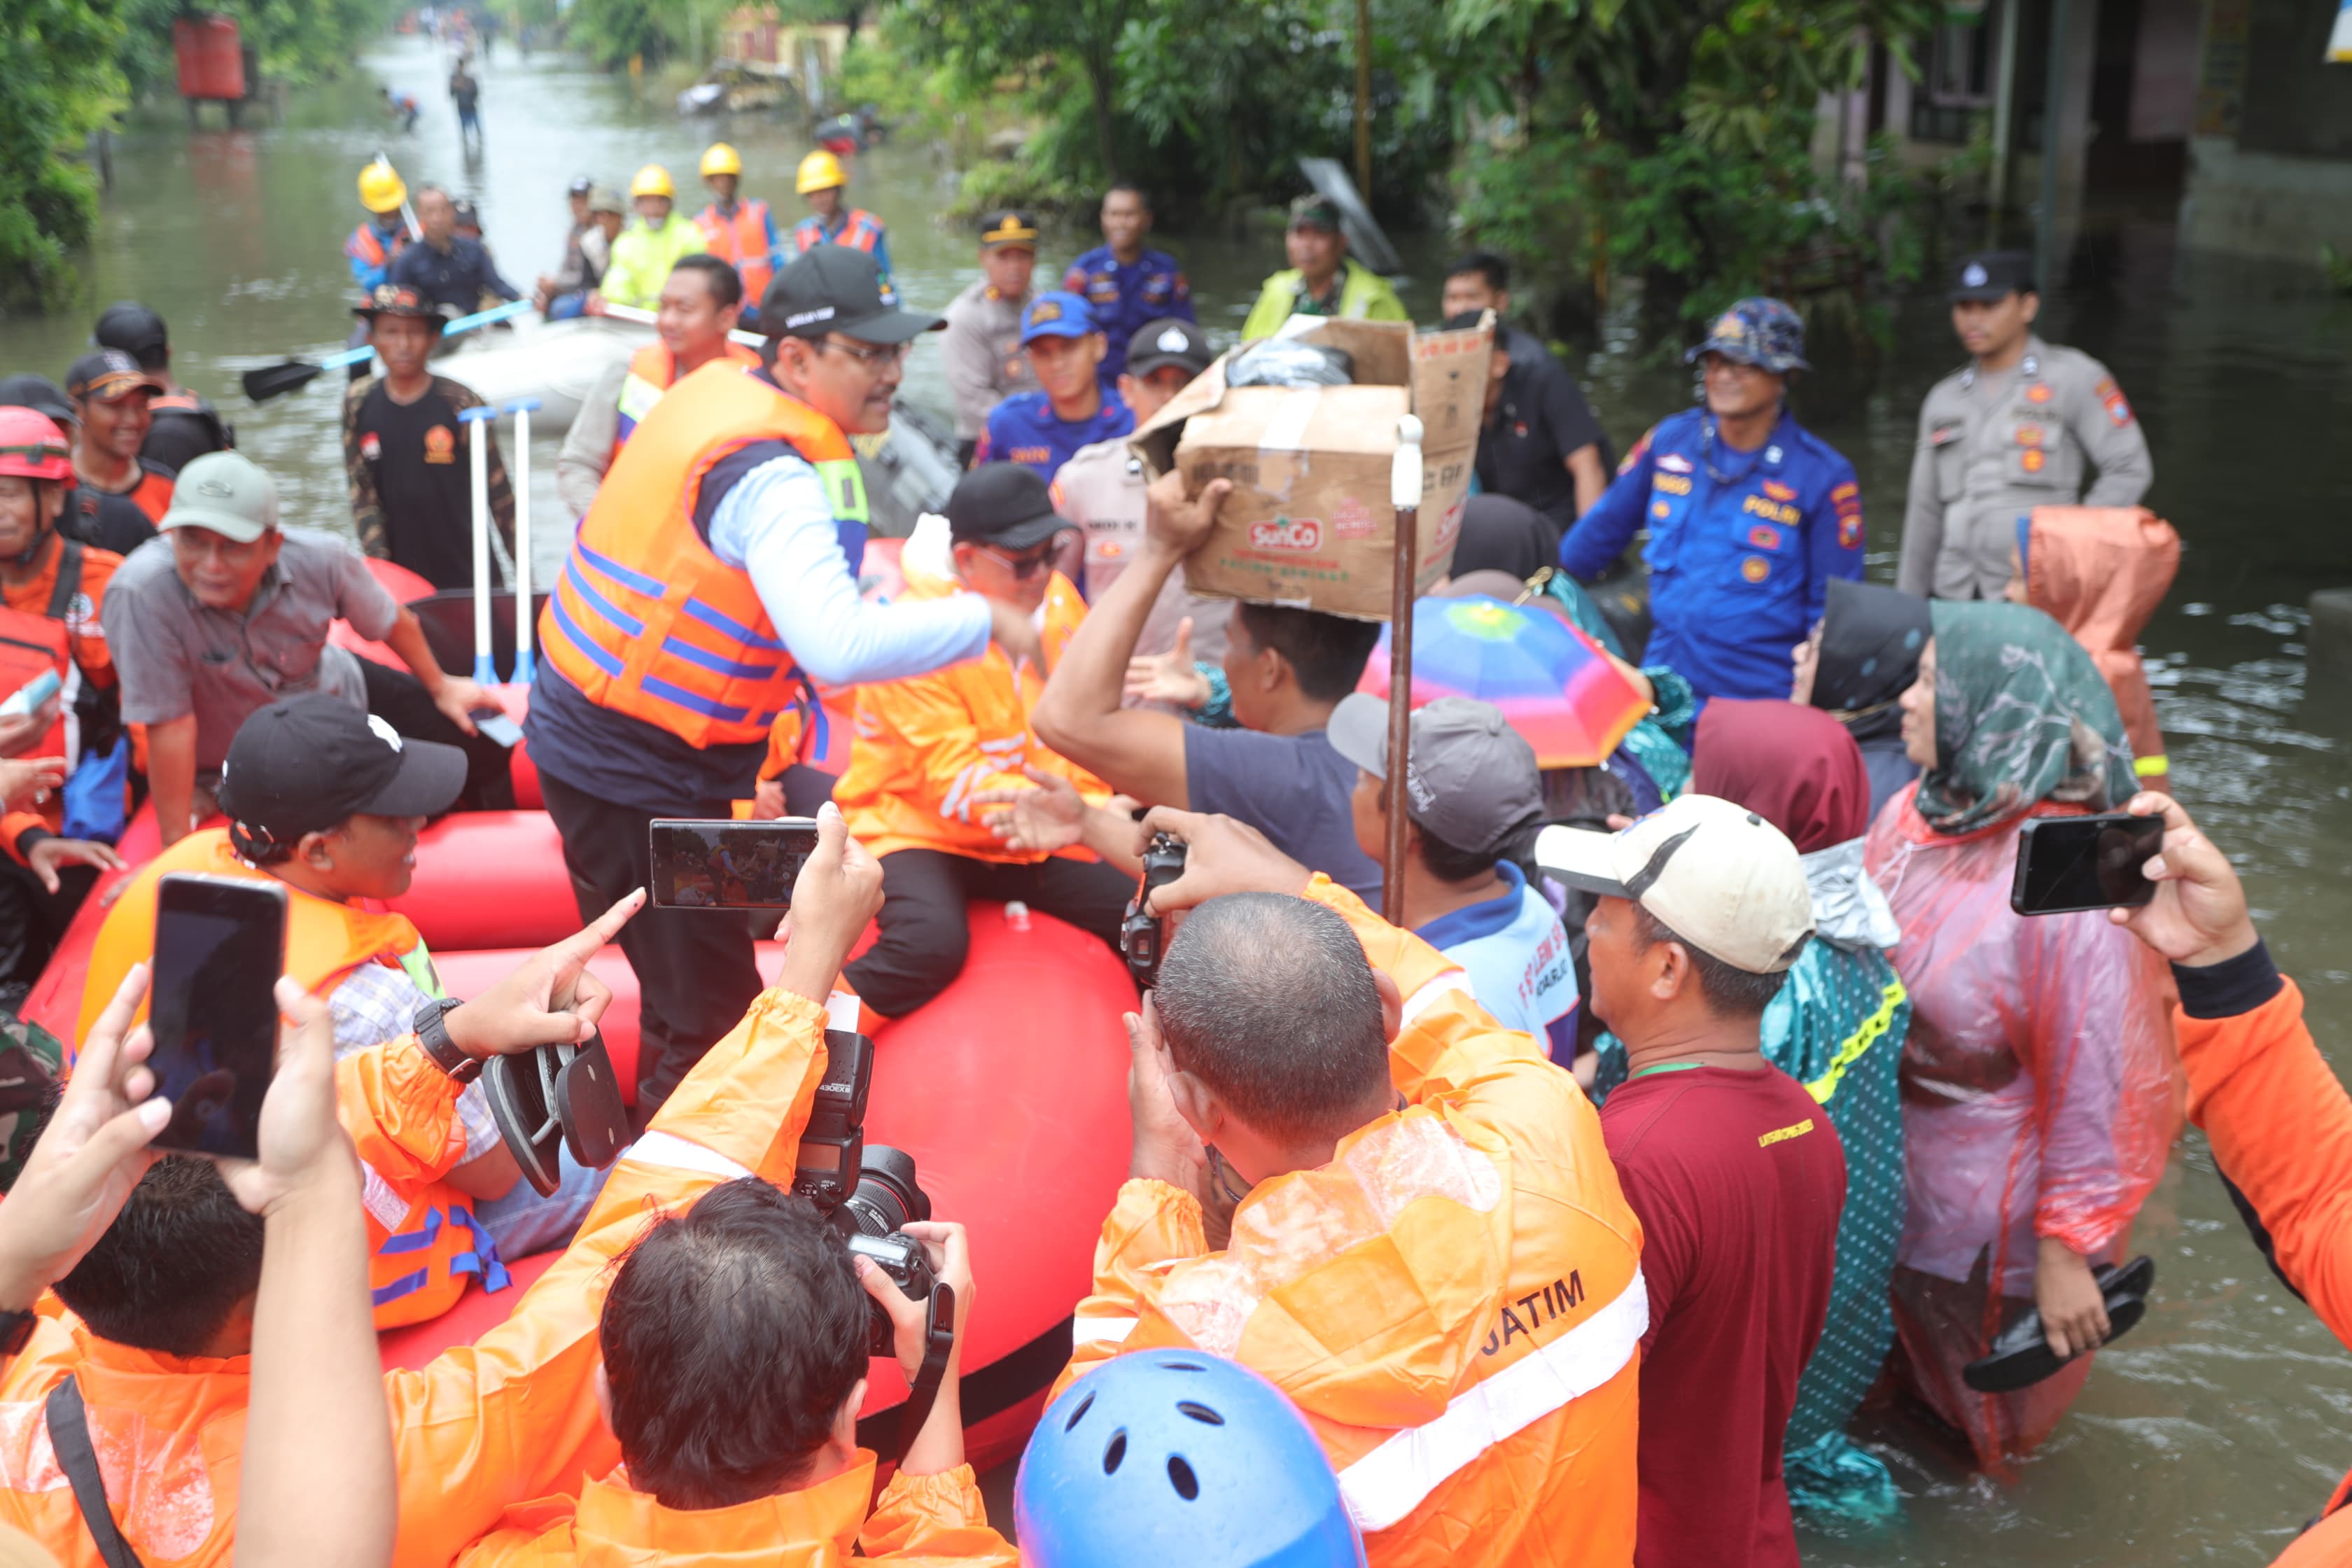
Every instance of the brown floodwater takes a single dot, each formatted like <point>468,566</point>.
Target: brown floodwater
<point>2219,1426</point>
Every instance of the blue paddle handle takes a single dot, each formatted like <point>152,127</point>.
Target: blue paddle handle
<point>505,312</point>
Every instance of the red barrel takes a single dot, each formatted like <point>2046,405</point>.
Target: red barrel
<point>210,56</point>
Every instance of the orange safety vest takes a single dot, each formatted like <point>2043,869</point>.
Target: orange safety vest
<point>432,1245</point>
<point>367,244</point>
<point>652,369</point>
<point>745,241</point>
<point>30,644</point>
<point>645,620</point>
<point>863,232</point>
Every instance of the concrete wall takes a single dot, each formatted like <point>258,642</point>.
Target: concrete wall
<point>2264,204</point>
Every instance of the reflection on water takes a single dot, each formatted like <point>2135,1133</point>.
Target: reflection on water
<point>2222,1424</point>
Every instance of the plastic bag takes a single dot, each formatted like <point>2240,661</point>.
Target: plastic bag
<point>93,795</point>
<point>1285,362</point>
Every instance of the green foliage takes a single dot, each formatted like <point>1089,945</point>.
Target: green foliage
<point>611,32</point>
<point>58,82</point>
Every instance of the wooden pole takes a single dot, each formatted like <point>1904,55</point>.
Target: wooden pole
<point>1404,494</point>
<point>1364,99</point>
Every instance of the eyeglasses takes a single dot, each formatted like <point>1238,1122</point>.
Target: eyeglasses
<point>1024,567</point>
<point>871,357</point>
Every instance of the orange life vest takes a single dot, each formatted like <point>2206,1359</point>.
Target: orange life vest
<point>645,620</point>
<point>652,369</point>
<point>432,1245</point>
<point>747,241</point>
<point>30,644</point>
<point>862,232</point>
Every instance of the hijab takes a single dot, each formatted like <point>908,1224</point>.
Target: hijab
<point>2021,716</point>
<point>1795,767</point>
<point>1871,638</point>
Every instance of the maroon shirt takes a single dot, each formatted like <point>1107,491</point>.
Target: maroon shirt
<point>1737,1178</point>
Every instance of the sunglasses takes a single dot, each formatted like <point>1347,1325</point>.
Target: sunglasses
<point>1024,567</point>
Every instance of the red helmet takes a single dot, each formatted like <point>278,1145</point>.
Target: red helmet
<point>32,446</point>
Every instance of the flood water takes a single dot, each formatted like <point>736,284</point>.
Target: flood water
<point>2221,1424</point>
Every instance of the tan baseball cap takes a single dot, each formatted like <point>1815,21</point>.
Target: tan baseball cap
<point>1716,874</point>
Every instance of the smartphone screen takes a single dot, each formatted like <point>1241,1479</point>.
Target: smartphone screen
<point>2069,863</point>
<point>220,946</point>
<point>721,865</point>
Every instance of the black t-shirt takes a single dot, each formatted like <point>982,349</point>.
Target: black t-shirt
<point>101,518</point>
<point>180,435</point>
<point>416,455</point>
<point>1543,418</point>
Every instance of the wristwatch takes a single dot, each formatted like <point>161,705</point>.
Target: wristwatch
<point>433,1035</point>
<point>16,1328</point>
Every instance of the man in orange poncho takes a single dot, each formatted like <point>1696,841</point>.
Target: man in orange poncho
<point>1428,1249</point>
<point>2101,571</point>
<point>929,746</point>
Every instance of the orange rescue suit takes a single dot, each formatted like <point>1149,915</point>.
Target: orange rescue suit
<point>652,371</point>
<point>427,1245</point>
<point>648,621</point>
<point>927,744</point>
<point>482,1427</point>
<point>51,624</point>
<point>2101,571</point>
<point>1454,1302</point>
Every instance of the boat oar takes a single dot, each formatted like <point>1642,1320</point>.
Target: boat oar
<point>292,375</point>
<point>647,319</point>
<point>477,442</point>
<point>1404,495</point>
<point>524,670</point>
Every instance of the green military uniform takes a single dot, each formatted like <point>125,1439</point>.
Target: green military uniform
<point>1995,444</point>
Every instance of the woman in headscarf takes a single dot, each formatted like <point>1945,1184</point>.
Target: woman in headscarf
<point>2039,1083</point>
<point>1862,657</point>
<point>1837,1028</point>
<point>2100,571</point>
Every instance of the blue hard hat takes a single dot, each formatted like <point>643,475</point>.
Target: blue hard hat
<point>1756,330</point>
<point>1179,1457</point>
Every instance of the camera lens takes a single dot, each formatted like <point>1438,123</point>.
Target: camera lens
<point>887,1195</point>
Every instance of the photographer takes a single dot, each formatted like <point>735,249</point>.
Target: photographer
<point>1429,1254</point>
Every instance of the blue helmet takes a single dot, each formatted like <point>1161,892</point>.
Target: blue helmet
<point>1761,332</point>
<point>1173,1456</point>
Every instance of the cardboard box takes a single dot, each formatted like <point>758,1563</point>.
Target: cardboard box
<point>1310,523</point>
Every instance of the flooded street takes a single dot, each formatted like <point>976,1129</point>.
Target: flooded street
<point>2222,1424</point>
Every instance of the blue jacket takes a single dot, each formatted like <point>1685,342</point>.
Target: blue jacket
<point>456,280</point>
<point>1126,297</point>
<point>1024,428</point>
<point>1738,567</point>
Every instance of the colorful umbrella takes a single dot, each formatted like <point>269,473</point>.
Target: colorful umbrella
<point>1554,684</point>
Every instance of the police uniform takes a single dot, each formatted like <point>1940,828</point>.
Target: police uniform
<point>1994,445</point>
<point>1025,429</point>
<point>1125,295</point>
<point>1742,546</point>
<point>1102,490</point>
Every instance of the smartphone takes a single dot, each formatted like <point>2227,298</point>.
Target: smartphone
<point>28,697</point>
<point>2069,863</point>
<point>723,865</point>
<point>220,946</point>
<point>494,724</point>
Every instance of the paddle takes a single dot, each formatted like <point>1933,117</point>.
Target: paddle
<point>292,375</point>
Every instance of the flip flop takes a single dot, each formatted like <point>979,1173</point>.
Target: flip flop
<point>2022,1356</point>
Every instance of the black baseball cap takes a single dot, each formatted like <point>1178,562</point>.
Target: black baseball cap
<point>134,329</point>
<point>833,289</point>
<point>1170,340</point>
<point>107,376</point>
<point>1004,504</point>
<point>41,395</point>
<point>1992,275</point>
<point>308,763</point>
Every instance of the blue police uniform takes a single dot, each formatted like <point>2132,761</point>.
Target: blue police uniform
<point>1024,428</point>
<point>1126,297</point>
<point>1742,546</point>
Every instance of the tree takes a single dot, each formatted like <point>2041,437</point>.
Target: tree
<point>1053,41</point>
<point>58,82</point>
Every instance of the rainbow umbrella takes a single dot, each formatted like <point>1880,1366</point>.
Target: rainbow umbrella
<point>1554,684</point>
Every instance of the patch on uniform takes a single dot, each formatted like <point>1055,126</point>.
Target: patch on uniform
<point>2030,461</point>
<point>1106,549</point>
<point>1103,290</point>
<point>1660,509</point>
<point>1845,494</point>
<point>1849,529</point>
<point>2118,412</point>
<point>81,618</point>
<point>1777,490</point>
<point>1670,485</point>
<point>2028,435</point>
<point>440,444</point>
<point>2038,392</point>
<point>1770,510</point>
<point>1520,429</point>
<point>1755,569</point>
<point>1641,450</point>
<point>371,445</point>
<point>1764,538</point>
<point>1030,454</point>
<point>1044,311</point>
<point>1673,462</point>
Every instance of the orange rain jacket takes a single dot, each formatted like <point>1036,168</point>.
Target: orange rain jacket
<point>928,743</point>
<point>1454,1302</point>
<point>480,1428</point>
<point>2281,1126</point>
<point>2101,571</point>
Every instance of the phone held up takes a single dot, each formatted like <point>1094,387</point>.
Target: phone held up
<point>2067,863</point>
<point>220,946</point>
<point>726,864</point>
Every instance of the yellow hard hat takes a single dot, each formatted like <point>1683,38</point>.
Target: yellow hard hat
<point>381,189</point>
<point>652,180</point>
<point>820,172</point>
<point>720,159</point>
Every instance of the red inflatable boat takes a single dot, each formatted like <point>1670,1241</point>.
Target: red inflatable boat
<point>1009,1089</point>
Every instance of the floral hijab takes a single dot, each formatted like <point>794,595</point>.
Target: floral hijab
<point>2021,716</point>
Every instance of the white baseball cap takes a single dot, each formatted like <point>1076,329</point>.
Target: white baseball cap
<point>1716,874</point>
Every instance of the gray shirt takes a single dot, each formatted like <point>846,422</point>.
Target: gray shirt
<point>1993,445</point>
<point>588,444</point>
<point>1101,490</point>
<point>176,658</point>
<point>981,352</point>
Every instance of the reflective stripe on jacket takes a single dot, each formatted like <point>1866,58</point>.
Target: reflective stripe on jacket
<point>426,1243</point>
<point>747,241</point>
<point>927,744</point>
<point>652,370</point>
<point>1454,1302</point>
<point>645,620</point>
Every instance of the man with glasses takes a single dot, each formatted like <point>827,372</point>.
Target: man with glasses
<point>929,747</point>
<point>711,586</point>
<point>1749,514</point>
